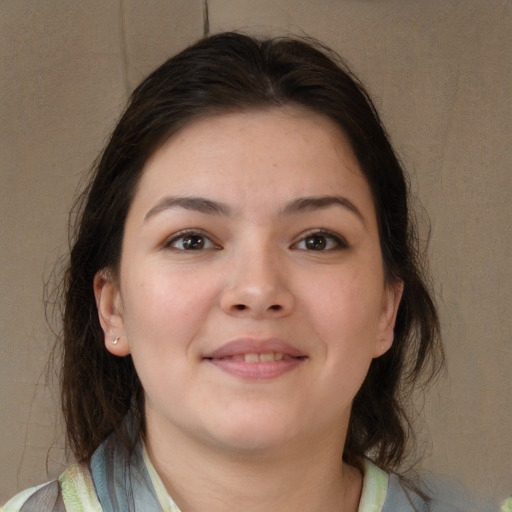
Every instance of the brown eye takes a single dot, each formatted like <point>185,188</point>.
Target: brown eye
<point>315,243</point>
<point>321,241</point>
<point>191,242</point>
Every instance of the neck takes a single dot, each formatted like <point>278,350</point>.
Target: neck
<point>300,476</point>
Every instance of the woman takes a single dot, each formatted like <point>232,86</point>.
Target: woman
<point>245,310</point>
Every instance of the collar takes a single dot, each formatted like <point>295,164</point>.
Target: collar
<point>373,495</point>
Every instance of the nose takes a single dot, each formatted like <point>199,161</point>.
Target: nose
<point>257,286</point>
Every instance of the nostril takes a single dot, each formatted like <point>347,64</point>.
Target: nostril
<point>243,307</point>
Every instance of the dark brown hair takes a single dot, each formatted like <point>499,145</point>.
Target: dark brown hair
<point>230,72</point>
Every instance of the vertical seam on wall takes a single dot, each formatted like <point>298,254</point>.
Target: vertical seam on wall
<point>124,53</point>
<point>206,19</point>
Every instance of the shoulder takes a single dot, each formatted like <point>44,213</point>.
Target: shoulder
<point>73,492</point>
<point>400,497</point>
<point>44,497</point>
<point>434,495</point>
<point>383,492</point>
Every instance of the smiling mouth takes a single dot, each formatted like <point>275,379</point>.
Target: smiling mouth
<point>253,357</point>
<point>254,360</point>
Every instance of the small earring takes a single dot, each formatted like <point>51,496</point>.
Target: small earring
<point>114,341</point>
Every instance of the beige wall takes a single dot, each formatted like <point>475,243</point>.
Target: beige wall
<point>440,73</point>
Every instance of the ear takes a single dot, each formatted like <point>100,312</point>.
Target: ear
<point>110,313</point>
<point>385,329</point>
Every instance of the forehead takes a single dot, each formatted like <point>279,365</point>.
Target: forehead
<point>274,155</point>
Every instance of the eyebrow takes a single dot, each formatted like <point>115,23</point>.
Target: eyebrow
<point>306,204</point>
<point>197,204</point>
<point>210,207</point>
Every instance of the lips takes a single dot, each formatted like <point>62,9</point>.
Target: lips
<point>244,346</point>
<point>256,359</point>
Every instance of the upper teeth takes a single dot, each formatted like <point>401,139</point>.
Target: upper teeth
<point>259,358</point>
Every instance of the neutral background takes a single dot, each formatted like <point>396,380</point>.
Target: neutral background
<point>440,73</point>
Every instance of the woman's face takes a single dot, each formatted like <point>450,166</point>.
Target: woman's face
<point>251,292</point>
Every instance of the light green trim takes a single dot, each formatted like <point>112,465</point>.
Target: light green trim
<point>78,490</point>
<point>375,488</point>
<point>507,505</point>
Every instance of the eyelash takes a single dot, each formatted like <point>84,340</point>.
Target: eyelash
<point>338,241</point>
<point>190,233</point>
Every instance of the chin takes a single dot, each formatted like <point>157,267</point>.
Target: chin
<point>254,437</point>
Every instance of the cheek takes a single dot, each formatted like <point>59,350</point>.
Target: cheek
<point>345,318</point>
<point>348,301</point>
<point>169,291</point>
<point>161,318</point>
<point>163,307</point>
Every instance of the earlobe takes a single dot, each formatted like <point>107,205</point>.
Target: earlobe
<point>110,313</point>
<point>391,302</point>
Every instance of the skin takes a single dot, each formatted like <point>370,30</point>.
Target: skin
<point>311,277</point>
